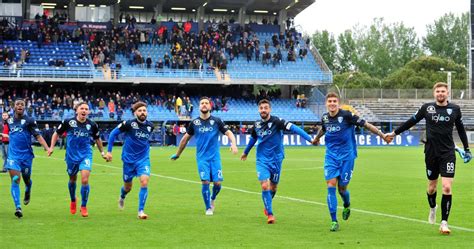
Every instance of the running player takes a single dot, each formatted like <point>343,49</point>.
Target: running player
<point>135,154</point>
<point>79,130</point>
<point>441,116</point>
<point>20,152</point>
<point>341,151</point>
<point>270,152</point>
<point>206,129</point>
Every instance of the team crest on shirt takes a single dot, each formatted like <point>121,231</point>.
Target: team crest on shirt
<point>212,122</point>
<point>23,122</point>
<point>270,125</point>
<point>449,110</point>
<point>134,125</point>
<point>339,119</point>
<point>73,123</point>
<point>197,122</point>
<point>88,126</point>
<point>431,109</point>
<point>148,128</point>
<point>10,121</point>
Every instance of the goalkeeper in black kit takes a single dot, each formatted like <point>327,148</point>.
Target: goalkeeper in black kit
<point>441,116</point>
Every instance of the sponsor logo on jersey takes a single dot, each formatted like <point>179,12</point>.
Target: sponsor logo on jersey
<point>431,109</point>
<point>141,134</point>
<point>80,133</point>
<point>197,122</point>
<point>438,118</point>
<point>212,122</point>
<point>88,126</point>
<point>73,123</point>
<point>263,132</point>
<point>340,119</point>
<point>333,128</point>
<point>449,111</point>
<point>16,129</point>
<point>134,125</point>
<point>325,119</point>
<point>205,129</point>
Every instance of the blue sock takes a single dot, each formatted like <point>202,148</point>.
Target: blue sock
<point>72,190</point>
<point>123,193</point>
<point>142,198</point>
<point>346,198</point>
<point>267,201</point>
<point>215,191</point>
<point>15,191</point>
<point>85,194</point>
<point>28,186</point>
<point>332,202</point>
<point>273,193</point>
<point>206,196</point>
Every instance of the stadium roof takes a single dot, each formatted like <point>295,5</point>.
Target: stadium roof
<point>294,7</point>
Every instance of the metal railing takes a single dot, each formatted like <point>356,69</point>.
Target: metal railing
<point>398,93</point>
<point>153,75</point>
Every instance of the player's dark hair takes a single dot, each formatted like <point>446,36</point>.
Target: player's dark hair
<point>264,101</point>
<point>79,104</point>
<point>137,105</point>
<point>332,95</point>
<point>440,84</point>
<point>20,99</point>
<point>205,97</point>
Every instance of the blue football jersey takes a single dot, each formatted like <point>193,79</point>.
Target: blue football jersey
<point>206,132</point>
<point>20,132</point>
<point>269,135</point>
<point>78,138</point>
<point>136,145</point>
<point>340,135</point>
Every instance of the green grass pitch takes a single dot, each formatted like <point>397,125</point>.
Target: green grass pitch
<point>387,194</point>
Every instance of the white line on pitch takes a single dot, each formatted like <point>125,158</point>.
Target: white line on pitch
<point>287,198</point>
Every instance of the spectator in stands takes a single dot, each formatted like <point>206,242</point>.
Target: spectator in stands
<point>178,104</point>
<point>111,107</point>
<point>148,61</point>
<point>47,133</point>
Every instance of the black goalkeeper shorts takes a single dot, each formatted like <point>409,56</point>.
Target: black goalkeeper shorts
<point>443,165</point>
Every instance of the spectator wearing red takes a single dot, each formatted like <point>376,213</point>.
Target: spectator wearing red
<point>5,141</point>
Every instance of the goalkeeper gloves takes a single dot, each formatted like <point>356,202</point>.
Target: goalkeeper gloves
<point>174,157</point>
<point>467,156</point>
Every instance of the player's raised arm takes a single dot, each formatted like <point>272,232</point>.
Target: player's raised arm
<point>462,135</point>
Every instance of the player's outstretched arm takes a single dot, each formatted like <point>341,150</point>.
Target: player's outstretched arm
<point>54,139</point>
<point>110,143</point>
<point>42,142</point>
<point>386,137</point>
<point>320,134</point>
<point>251,143</point>
<point>182,145</point>
<point>295,129</point>
<point>233,145</point>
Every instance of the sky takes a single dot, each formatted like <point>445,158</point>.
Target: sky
<point>336,16</point>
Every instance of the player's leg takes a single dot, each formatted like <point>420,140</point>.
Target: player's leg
<point>72,170</point>
<point>447,168</point>
<point>432,173</point>
<point>15,176</point>
<point>129,173</point>
<point>26,174</point>
<point>275,178</point>
<point>331,174</point>
<point>217,178</point>
<point>264,175</point>
<point>205,175</point>
<point>143,170</point>
<point>85,190</point>
<point>344,179</point>
<point>85,168</point>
